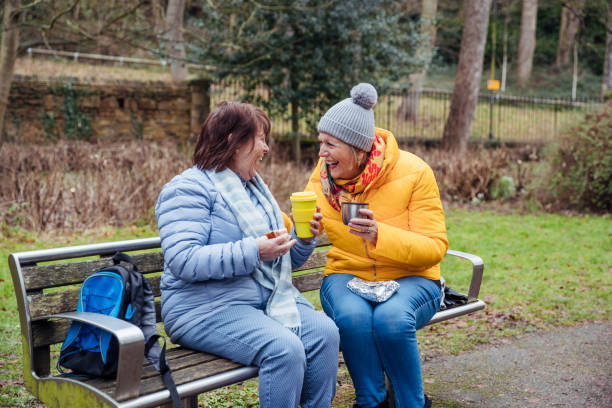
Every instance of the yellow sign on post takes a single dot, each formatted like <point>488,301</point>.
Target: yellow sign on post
<point>493,84</point>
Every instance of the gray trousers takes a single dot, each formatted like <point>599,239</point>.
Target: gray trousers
<point>292,371</point>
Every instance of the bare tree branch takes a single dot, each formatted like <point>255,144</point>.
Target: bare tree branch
<point>68,10</point>
<point>123,15</point>
<point>32,4</point>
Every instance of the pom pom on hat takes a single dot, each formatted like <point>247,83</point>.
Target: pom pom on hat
<point>364,95</point>
<point>352,120</point>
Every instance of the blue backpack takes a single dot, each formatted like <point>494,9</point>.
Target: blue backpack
<point>119,292</point>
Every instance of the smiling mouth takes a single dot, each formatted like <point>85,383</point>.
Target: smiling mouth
<point>332,164</point>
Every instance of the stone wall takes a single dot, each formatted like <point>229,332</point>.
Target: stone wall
<point>104,110</point>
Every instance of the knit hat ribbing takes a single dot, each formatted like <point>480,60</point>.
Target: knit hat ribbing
<point>352,120</point>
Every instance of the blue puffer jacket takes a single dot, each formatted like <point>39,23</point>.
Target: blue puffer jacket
<point>208,260</point>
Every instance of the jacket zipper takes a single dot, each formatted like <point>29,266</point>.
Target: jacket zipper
<point>365,245</point>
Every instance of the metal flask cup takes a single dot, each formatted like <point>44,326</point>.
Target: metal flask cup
<point>351,210</point>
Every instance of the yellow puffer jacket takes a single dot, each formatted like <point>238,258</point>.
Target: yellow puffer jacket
<point>411,227</point>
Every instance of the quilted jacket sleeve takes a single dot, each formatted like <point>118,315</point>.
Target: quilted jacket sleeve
<point>424,243</point>
<point>184,213</point>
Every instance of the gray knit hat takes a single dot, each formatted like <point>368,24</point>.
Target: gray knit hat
<point>352,120</point>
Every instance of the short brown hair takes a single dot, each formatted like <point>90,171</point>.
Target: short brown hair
<point>214,149</point>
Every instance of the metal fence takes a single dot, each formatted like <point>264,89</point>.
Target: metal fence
<point>497,117</point>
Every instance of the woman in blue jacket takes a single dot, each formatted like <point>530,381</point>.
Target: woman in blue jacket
<point>226,288</point>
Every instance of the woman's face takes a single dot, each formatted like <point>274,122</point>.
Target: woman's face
<point>247,157</point>
<point>339,157</point>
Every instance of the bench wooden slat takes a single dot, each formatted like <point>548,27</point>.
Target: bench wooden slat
<point>180,375</point>
<point>189,374</point>
<point>50,276</point>
<point>308,282</point>
<point>316,260</point>
<point>56,275</point>
<point>323,240</point>
<point>59,302</point>
<point>43,304</point>
<point>179,358</point>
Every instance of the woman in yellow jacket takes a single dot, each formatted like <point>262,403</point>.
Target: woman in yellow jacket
<point>382,278</point>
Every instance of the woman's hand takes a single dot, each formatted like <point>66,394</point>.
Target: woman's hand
<point>366,228</point>
<point>315,225</point>
<point>272,248</point>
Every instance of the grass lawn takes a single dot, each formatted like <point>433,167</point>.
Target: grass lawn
<point>541,271</point>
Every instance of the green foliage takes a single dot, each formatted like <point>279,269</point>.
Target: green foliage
<point>76,122</point>
<point>548,22</point>
<point>503,188</point>
<point>591,36</point>
<point>307,53</point>
<point>580,173</point>
<point>448,36</point>
<point>138,125</point>
<point>49,120</point>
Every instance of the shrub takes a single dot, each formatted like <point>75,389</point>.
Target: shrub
<point>467,177</point>
<point>73,184</point>
<point>77,185</point>
<point>503,188</point>
<point>579,171</point>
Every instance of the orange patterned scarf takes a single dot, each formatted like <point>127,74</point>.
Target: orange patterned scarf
<point>339,191</point>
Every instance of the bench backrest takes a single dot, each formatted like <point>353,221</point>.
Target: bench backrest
<point>45,287</point>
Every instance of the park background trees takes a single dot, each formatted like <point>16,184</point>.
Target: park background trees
<point>469,72</point>
<point>308,53</point>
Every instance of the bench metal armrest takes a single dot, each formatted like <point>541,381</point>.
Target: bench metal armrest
<point>477,271</point>
<point>131,349</point>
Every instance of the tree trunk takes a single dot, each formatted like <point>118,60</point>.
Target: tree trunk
<point>505,48</point>
<point>527,41</point>
<point>570,23</point>
<point>575,73</point>
<point>8,54</point>
<point>159,20</point>
<point>469,72</point>
<point>606,84</point>
<point>295,122</point>
<point>409,107</point>
<point>175,44</point>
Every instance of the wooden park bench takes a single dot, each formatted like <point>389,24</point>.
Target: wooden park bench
<point>46,286</point>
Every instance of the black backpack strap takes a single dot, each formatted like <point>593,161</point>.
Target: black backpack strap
<point>121,257</point>
<point>164,369</point>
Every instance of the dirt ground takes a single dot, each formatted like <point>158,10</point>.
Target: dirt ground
<point>566,367</point>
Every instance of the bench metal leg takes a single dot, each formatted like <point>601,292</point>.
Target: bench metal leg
<point>189,402</point>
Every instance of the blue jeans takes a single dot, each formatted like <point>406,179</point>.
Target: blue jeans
<point>378,338</point>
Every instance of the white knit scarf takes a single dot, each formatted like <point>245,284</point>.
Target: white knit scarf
<point>274,275</point>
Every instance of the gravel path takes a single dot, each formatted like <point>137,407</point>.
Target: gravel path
<point>566,367</point>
